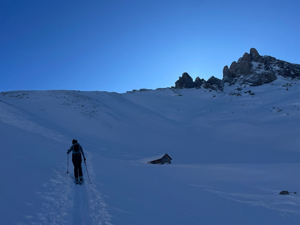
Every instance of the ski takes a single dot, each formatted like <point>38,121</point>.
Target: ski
<point>81,181</point>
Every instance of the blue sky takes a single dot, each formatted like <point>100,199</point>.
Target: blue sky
<point>120,45</point>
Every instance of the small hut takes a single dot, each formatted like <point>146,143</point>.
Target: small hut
<point>165,159</point>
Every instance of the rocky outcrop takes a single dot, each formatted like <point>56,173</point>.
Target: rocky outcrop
<point>199,82</point>
<point>185,82</point>
<point>251,69</point>
<point>214,84</point>
<point>254,69</point>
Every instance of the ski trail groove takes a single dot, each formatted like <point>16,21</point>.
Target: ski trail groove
<point>81,206</point>
<point>78,214</point>
<point>89,206</point>
<point>64,202</point>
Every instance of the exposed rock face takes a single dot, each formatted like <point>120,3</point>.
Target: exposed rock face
<point>255,70</point>
<point>199,82</point>
<point>185,82</point>
<point>214,84</point>
<point>252,69</point>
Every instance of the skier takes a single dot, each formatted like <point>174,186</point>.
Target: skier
<point>76,159</point>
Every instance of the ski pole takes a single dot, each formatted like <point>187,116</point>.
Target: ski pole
<point>68,164</point>
<point>87,171</point>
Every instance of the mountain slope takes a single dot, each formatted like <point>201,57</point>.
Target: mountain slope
<point>232,151</point>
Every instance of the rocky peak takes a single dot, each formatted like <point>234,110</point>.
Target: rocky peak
<point>185,81</point>
<point>254,69</point>
<point>214,84</point>
<point>246,57</point>
<point>199,82</point>
<point>254,53</point>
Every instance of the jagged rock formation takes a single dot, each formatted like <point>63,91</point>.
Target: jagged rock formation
<point>254,69</point>
<point>186,81</point>
<point>214,84</point>
<point>251,69</point>
<point>199,82</point>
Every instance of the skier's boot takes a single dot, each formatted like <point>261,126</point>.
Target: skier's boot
<point>76,181</point>
<point>81,178</point>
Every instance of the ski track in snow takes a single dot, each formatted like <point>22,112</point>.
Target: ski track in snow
<point>62,196</point>
<point>64,202</point>
<point>286,205</point>
<point>80,207</point>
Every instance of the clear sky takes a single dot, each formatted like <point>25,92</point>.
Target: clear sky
<point>120,45</point>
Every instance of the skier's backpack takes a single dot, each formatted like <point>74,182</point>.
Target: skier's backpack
<point>76,149</point>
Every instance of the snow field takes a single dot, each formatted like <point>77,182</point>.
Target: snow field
<point>232,155</point>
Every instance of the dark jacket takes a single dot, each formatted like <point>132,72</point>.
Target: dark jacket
<point>72,150</point>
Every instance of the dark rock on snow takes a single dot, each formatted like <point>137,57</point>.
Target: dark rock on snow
<point>214,84</point>
<point>199,82</point>
<point>184,82</point>
<point>254,69</point>
<point>251,69</point>
<point>187,82</point>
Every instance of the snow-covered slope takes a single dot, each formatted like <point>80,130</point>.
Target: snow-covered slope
<point>232,152</point>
